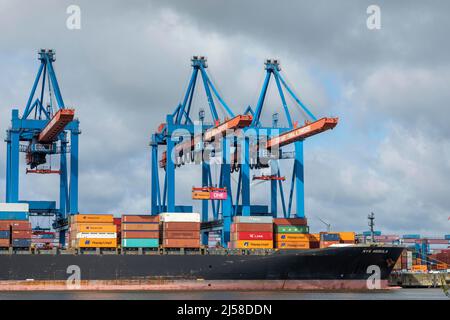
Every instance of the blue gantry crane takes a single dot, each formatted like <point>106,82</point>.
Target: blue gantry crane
<point>242,144</point>
<point>45,128</point>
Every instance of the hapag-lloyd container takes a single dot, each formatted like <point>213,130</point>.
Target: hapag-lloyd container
<point>92,218</point>
<point>292,245</point>
<point>96,243</point>
<point>252,244</point>
<point>94,227</point>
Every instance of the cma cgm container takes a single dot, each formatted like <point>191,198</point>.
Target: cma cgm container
<point>140,231</point>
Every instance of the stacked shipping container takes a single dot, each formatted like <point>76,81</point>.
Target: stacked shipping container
<point>214,239</point>
<point>327,239</point>
<point>5,234</point>
<point>139,231</point>
<point>291,233</point>
<point>252,232</point>
<point>93,231</point>
<point>180,230</point>
<point>44,239</point>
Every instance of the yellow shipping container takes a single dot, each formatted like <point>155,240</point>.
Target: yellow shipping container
<point>201,195</point>
<point>253,244</point>
<point>292,245</point>
<point>93,227</point>
<point>314,237</point>
<point>292,237</point>
<point>96,243</point>
<point>347,236</point>
<point>92,218</point>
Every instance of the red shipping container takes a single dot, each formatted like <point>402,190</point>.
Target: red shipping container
<point>252,227</point>
<point>181,226</point>
<point>117,221</point>
<point>290,221</point>
<point>140,235</point>
<point>181,243</point>
<point>139,218</point>
<point>254,235</point>
<point>4,243</point>
<point>140,226</point>
<point>181,235</point>
<point>21,234</point>
<point>21,225</point>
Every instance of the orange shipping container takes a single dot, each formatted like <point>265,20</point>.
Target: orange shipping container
<point>139,219</point>
<point>140,227</point>
<point>93,218</point>
<point>252,244</point>
<point>252,227</point>
<point>181,243</point>
<point>96,243</point>
<point>4,242</point>
<point>347,236</point>
<point>21,234</point>
<point>94,227</point>
<point>292,237</point>
<point>419,267</point>
<point>292,245</point>
<point>181,226</point>
<point>314,237</point>
<point>181,234</point>
<point>140,235</point>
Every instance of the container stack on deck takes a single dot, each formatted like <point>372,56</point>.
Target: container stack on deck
<point>329,238</point>
<point>21,234</point>
<point>214,239</point>
<point>291,233</point>
<point>252,232</point>
<point>140,231</point>
<point>15,229</point>
<point>180,230</point>
<point>118,223</point>
<point>5,234</point>
<point>44,239</point>
<point>93,231</point>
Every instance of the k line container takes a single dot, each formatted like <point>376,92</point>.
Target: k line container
<point>96,235</point>
<point>140,243</point>
<point>180,217</point>
<point>253,219</point>
<point>139,218</point>
<point>252,244</point>
<point>251,227</point>
<point>291,229</point>
<point>96,243</point>
<point>140,227</point>
<point>92,218</point>
<point>140,235</point>
<point>253,236</point>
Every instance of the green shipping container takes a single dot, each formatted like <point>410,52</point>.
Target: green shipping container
<point>140,243</point>
<point>292,229</point>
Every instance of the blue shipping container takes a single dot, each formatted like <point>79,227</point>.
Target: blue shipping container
<point>13,215</point>
<point>330,237</point>
<point>21,243</point>
<point>411,236</point>
<point>447,237</point>
<point>140,243</point>
<point>4,234</point>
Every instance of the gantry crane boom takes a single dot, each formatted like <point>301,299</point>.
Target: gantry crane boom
<point>56,125</point>
<point>302,133</point>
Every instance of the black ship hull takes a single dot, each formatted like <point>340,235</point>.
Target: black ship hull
<point>353,267</point>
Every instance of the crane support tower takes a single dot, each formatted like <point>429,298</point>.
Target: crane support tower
<point>45,128</point>
<point>241,144</point>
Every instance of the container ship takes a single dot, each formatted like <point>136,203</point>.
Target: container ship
<point>164,252</point>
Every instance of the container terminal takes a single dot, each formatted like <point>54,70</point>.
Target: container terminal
<point>232,243</point>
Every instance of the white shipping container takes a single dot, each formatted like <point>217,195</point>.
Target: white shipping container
<point>96,235</point>
<point>253,219</point>
<point>180,217</point>
<point>14,207</point>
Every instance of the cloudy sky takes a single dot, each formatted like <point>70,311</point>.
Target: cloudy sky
<point>129,65</point>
